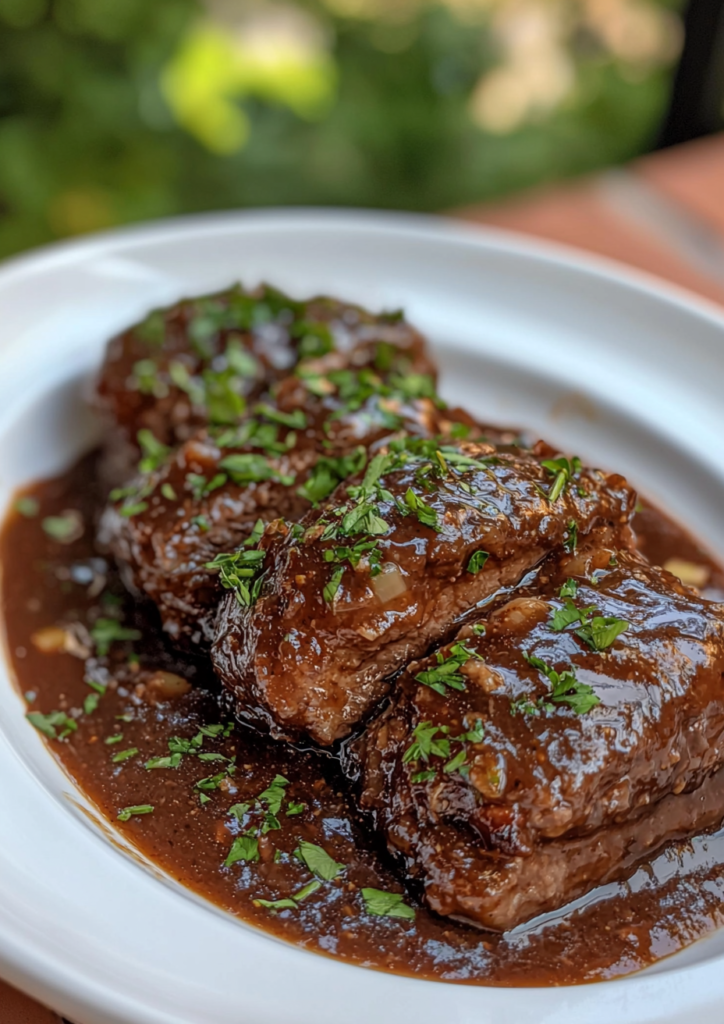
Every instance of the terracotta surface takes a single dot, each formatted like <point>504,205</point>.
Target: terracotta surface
<point>665,215</point>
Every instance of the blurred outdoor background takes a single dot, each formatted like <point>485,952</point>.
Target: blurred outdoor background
<point>114,111</point>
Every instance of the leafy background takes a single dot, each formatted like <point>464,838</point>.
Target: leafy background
<point>113,111</point>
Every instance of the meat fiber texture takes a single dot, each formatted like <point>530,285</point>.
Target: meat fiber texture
<point>205,498</point>
<point>572,731</point>
<point>389,566</point>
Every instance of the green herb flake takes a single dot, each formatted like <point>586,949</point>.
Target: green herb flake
<point>136,810</point>
<point>477,561</point>
<point>328,472</point>
<point>563,470</point>
<point>64,528</point>
<point>565,687</point>
<point>244,848</point>
<point>318,861</point>
<point>105,632</point>
<point>273,905</point>
<point>446,674</point>
<point>296,420</point>
<point>456,762</point>
<point>124,755</point>
<point>110,740</point>
<point>306,890</point>
<point>387,904</point>
<point>239,810</point>
<point>238,571</point>
<point>56,725</point>
<point>424,512</point>
<point>90,704</point>
<point>569,589</point>
<point>294,808</point>
<point>168,492</point>
<point>27,506</point>
<point>153,452</point>
<point>169,761</point>
<point>601,632</point>
<point>330,590</point>
<point>273,796</point>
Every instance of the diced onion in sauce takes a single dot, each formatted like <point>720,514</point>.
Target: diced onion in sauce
<point>389,584</point>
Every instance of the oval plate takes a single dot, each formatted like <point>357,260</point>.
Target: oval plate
<point>599,359</point>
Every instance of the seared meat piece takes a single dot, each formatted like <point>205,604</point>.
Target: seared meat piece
<point>205,499</point>
<point>389,566</point>
<point>201,360</point>
<point>512,770</point>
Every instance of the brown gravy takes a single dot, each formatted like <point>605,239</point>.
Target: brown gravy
<point>667,904</point>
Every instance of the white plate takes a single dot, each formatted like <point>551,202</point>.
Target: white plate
<point>625,371</point>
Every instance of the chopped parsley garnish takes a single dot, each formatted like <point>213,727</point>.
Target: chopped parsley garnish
<point>447,671</point>
<point>240,361</point>
<point>124,755</point>
<point>564,470</point>
<point>328,472</point>
<point>434,741</point>
<point>273,795</point>
<point>221,396</point>
<point>565,688</point>
<point>598,631</point>
<point>90,703</point>
<point>569,589</point>
<point>212,782</point>
<point>146,379</point>
<point>330,590</point>
<point>168,492</point>
<point>296,420</point>
<point>137,809</point>
<point>294,808</point>
<point>569,614</point>
<point>200,486</point>
<point>239,571</point>
<point>239,810</point>
<point>256,534</point>
<point>363,549</point>
<point>105,632</point>
<point>477,561</point>
<point>56,725</point>
<point>307,890</point>
<point>27,506</point>
<point>602,631</point>
<point>244,848</point>
<point>153,452</point>
<point>571,541</point>
<point>169,761</point>
<point>249,467</point>
<point>424,512</point>
<point>316,339</point>
<point>387,904</point>
<point>285,904</point>
<point>318,861</point>
<point>116,738</point>
<point>63,528</point>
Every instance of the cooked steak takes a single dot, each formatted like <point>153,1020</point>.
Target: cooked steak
<point>512,770</point>
<point>204,499</point>
<point>390,565</point>
<point>201,360</point>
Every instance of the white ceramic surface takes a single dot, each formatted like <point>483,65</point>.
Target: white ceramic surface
<point>624,370</point>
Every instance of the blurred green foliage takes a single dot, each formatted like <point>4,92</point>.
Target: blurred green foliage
<point>113,111</point>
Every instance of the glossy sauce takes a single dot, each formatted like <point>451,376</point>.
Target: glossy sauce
<point>667,904</point>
